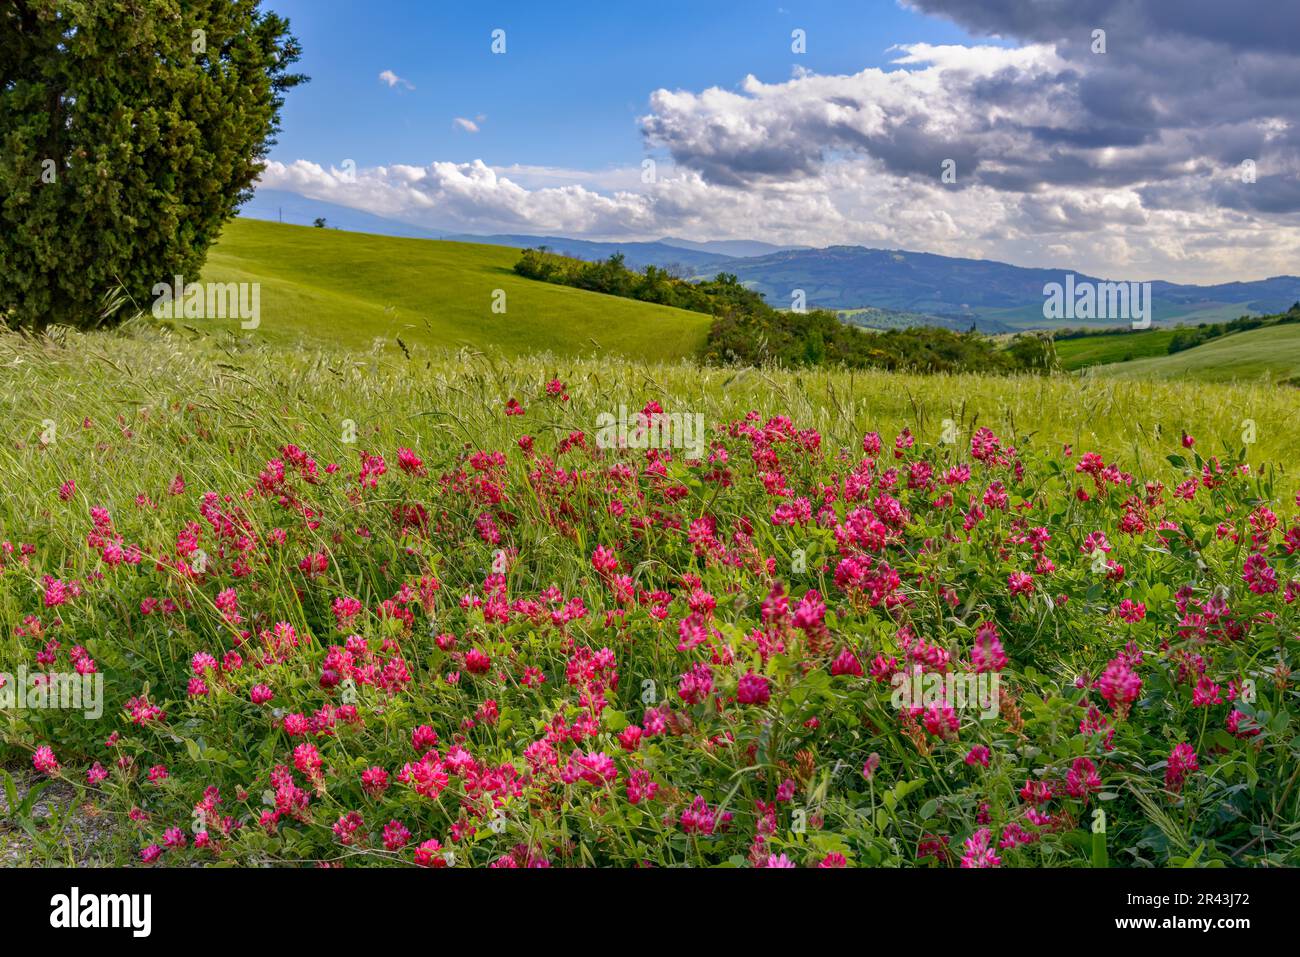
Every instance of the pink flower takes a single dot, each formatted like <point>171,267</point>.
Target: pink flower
<point>396,836</point>
<point>374,781</point>
<point>1259,576</point>
<point>409,462</point>
<point>151,853</point>
<point>44,761</point>
<point>753,689</point>
<point>1132,611</point>
<point>1020,583</point>
<point>296,725</point>
<point>699,818</point>
<point>604,560</point>
<point>430,854</point>
<point>847,663</point>
<point>1082,779</point>
<point>423,738</point>
<point>1206,693</point>
<point>1242,725</point>
<point>1119,684</point>
<point>476,662</point>
<point>987,654</point>
<point>640,787</point>
<point>978,851</point>
<point>594,768</point>
<point>1182,762</point>
<point>695,685</point>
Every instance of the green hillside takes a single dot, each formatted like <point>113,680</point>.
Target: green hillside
<point>326,286</point>
<point>1273,352</point>
<point>1113,347</point>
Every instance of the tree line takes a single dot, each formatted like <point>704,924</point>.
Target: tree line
<point>747,330</point>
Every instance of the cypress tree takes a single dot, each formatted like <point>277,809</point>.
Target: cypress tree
<point>130,132</point>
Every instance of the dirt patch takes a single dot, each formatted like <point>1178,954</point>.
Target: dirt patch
<point>84,837</point>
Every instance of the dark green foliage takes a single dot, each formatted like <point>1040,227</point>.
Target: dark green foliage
<point>127,139</point>
<point>748,331</point>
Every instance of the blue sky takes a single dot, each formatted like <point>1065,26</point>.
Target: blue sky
<point>574,80</point>
<point>1132,139</point>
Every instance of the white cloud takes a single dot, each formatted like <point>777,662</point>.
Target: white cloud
<point>393,80</point>
<point>851,202</point>
<point>469,126</point>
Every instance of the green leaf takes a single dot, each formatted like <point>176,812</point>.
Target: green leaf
<point>1100,857</point>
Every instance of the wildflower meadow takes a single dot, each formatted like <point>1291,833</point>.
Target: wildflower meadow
<point>414,609</point>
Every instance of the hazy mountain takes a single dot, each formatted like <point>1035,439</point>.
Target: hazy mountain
<point>637,255</point>
<point>730,247</point>
<point>851,277</point>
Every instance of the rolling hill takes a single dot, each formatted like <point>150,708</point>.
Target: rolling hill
<point>1273,352</point>
<point>1106,349</point>
<point>280,206</point>
<point>349,288</point>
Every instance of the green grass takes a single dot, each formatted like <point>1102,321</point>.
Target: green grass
<point>1115,347</point>
<point>390,397</point>
<point>124,413</point>
<point>1272,353</point>
<point>327,287</point>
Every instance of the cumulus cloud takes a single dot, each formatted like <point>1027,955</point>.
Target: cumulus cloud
<point>1108,234</point>
<point>469,196</point>
<point>912,118</point>
<point>1183,92</point>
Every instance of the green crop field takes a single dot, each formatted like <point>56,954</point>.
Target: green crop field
<point>321,286</point>
<point>1272,353</point>
<point>1116,347</point>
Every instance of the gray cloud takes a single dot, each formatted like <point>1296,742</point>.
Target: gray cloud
<point>1182,89</point>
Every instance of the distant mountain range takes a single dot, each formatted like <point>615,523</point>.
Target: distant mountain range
<point>878,287</point>
<point>996,295</point>
<point>665,253</point>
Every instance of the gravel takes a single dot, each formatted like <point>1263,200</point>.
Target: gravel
<point>86,834</point>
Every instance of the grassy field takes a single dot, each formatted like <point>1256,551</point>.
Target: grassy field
<point>1118,347</point>
<point>1272,353</point>
<point>206,522</point>
<point>396,398</point>
<point>322,286</point>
